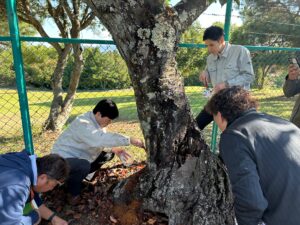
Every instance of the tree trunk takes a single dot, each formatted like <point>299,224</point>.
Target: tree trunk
<point>57,78</point>
<point>182,179</point>
<point>61,108</point>
<point>265,71</point>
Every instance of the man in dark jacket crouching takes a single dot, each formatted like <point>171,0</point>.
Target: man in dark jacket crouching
<point>262,155</point>
<point>21,177</point>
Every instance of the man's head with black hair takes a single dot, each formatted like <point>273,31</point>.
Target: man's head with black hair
<point>213,33</point>
<point>105,111</point>
<point>52,170</point>
<point>214,39</point>
<point>107,108</point>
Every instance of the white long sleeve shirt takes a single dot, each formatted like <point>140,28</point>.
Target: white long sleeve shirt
<point>85,139</point>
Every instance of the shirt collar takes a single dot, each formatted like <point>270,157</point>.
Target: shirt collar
<point>224,52</point>
<point>34,168</point>
<point>92,117</point>
<point>249,111</point>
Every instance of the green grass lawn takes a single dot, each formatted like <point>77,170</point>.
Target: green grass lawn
<point>271,101</point>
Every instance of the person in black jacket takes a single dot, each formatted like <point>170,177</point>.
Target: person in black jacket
<point>262,155</point>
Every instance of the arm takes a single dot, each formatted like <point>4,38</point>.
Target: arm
<point>291,86</point>
<point>249,200</point>
<point>93,137</point>
<point>46,213</point>
<point>246,73</point>
<point>13,199</point>
<point>98,138</point>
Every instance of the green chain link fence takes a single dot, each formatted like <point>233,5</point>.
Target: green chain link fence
<point>105,75</point>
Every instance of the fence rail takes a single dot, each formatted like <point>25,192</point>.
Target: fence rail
<point>105,75</point>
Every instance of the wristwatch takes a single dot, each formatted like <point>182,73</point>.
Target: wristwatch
<point>51,217</point>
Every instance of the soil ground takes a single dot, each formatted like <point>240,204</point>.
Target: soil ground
<point>96,206</point>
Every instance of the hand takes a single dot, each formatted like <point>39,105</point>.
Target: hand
<point>203,77</point>
<point>58,221</point>
<point>294,72</point>
<point>219,87</point>
<point>121,152</point>
<point>137,142</point>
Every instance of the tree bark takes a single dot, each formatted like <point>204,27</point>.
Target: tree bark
<point>182,179</point>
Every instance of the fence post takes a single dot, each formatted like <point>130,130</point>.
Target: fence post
<point>227,20</point>
<point>214,132</point>
<point>20,78</point>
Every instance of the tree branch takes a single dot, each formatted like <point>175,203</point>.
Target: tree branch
<point>100,6</point>
<point>76,7</point>
<point>87,21</point>
<point>34,22</point>
<point>85,13</point>
<point>68,9</point>
<point>189,10</point>
<point>24,19</point>
<point>56,15</point>
<point>155,6</point>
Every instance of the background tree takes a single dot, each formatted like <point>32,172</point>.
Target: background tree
<point>182,179</point>
<point>269,23</point>
<point>192,60</point>
<point>102,70</point>
<point>70,17</point>
<point>35,59</point>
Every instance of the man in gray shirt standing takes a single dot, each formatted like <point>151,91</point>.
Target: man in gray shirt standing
<point>227,65</point>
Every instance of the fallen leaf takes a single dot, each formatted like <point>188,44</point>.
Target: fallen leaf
<point>113,219</point>
<point>151,221</point>
<point>69,212</point>
<point>77,216</point>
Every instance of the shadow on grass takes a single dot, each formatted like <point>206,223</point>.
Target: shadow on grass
<point>92,101</point>
<point>279,105</point>
<point>128,111</point>
<point>126,105</point>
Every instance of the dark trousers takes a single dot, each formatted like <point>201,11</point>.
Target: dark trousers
<point>80,168</point>
<point>203,119</point>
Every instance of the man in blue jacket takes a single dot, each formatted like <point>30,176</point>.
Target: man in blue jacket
<point>21,176</point>
<point>262,155</point>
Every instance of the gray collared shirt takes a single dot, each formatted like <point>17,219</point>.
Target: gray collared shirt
<point>232,66</point>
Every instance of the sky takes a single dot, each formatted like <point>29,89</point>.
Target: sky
<point>214,13</point>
